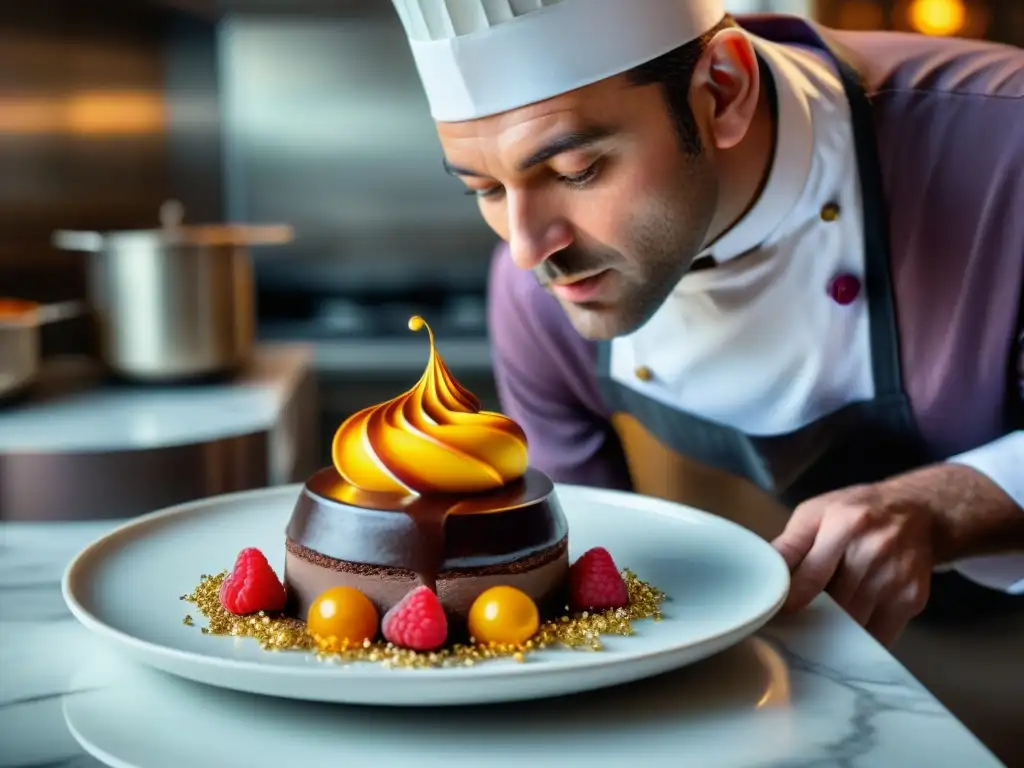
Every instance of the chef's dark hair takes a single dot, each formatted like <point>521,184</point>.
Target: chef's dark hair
<point>673,71</point>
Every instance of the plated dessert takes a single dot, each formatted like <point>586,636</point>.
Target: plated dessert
<point>430,540</point>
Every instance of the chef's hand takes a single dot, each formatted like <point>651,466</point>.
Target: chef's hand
<point>873,547</point>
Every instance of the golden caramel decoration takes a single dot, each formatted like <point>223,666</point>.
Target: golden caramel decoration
<point>433,439</point>
<point>581,631</point>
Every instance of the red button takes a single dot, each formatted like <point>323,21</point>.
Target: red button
<point>844,289</point>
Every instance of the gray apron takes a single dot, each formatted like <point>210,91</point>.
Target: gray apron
<point>863,442</point>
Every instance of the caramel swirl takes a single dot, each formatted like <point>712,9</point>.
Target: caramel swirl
<point>433,439</point>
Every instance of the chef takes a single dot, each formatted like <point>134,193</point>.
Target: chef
<point>786,256</point>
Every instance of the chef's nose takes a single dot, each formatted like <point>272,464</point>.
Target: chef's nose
<point>533,233</point>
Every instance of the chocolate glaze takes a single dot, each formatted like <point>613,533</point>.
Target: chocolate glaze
<point>427,534</point>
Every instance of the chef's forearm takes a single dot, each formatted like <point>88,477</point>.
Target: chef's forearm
<point>976,515</point>
<point>986,516</point>
<point>977,500</point>
<point>995,520</point>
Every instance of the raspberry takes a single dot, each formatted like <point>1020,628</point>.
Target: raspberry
<point>595,582</point>
<point>252,586</point>
<point>416,622</point>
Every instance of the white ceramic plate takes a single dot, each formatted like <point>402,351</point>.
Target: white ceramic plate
<point>723,582</point>
<point>730,710</point>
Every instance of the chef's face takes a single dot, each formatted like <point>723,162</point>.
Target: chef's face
<point>595,193</point>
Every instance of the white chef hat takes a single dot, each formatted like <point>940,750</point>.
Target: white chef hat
<point>481,57</point>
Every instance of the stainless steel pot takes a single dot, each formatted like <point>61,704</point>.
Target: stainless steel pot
<point>21,323</point>
<point>176,303</point>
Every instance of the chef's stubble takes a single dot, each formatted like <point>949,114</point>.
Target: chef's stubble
<point>662,239</point>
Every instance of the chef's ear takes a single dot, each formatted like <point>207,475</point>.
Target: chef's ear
<point>725,87</point>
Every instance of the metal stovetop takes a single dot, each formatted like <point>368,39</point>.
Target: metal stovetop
<point>369,334</point>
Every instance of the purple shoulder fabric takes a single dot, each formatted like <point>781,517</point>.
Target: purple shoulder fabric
<point>949,118</point>
<point>545,374</point>
<point>950,122</point>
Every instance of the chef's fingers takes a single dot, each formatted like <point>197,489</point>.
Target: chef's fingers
<point>888,622</point>
<point>869,570</point>
<point>903,594</point>
<point>874,591</point>
<point>819,565</point>
<point>798,537</point>
<point>847,581</point>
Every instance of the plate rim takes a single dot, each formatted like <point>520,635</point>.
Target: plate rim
<point>650,504</point>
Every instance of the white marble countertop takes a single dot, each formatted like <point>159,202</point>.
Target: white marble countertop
<point>808,690</point>
<point>72,414</point>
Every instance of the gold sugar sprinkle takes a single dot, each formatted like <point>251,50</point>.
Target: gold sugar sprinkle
<point>575,631</point>
<point>272,633</point>
<point>187,621</point>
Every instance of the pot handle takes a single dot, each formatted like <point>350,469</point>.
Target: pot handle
<point>91,242</point>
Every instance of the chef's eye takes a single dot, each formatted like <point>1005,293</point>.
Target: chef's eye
<point>581,179</point>
<point>485,193</point>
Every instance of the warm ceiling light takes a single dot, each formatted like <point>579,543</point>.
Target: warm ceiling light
<point>88,113</point>
<point>938,17</point>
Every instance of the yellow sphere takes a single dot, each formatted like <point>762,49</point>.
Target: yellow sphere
<point>342,615</point>
<point>503,616</point>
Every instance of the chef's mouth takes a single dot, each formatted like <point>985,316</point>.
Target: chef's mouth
<point>582,289</point>
<point>578,278</point>
<point>548,274</point>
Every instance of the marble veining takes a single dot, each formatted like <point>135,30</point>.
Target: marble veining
<point>876,690</point>
<point>834,697</point>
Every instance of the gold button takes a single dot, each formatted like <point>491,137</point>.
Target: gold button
<point>830,212</point>
<point>644,373</point>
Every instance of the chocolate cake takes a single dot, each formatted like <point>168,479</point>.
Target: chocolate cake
<point>428,489</point>
<point>458,546</point>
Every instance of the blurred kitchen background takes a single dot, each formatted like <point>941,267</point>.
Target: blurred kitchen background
<point>304,113</point>
<point>227,362</point>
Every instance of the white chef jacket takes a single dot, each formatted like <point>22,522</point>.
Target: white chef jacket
<point>748,361</point>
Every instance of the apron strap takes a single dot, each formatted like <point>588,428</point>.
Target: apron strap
<point>885,348</point>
